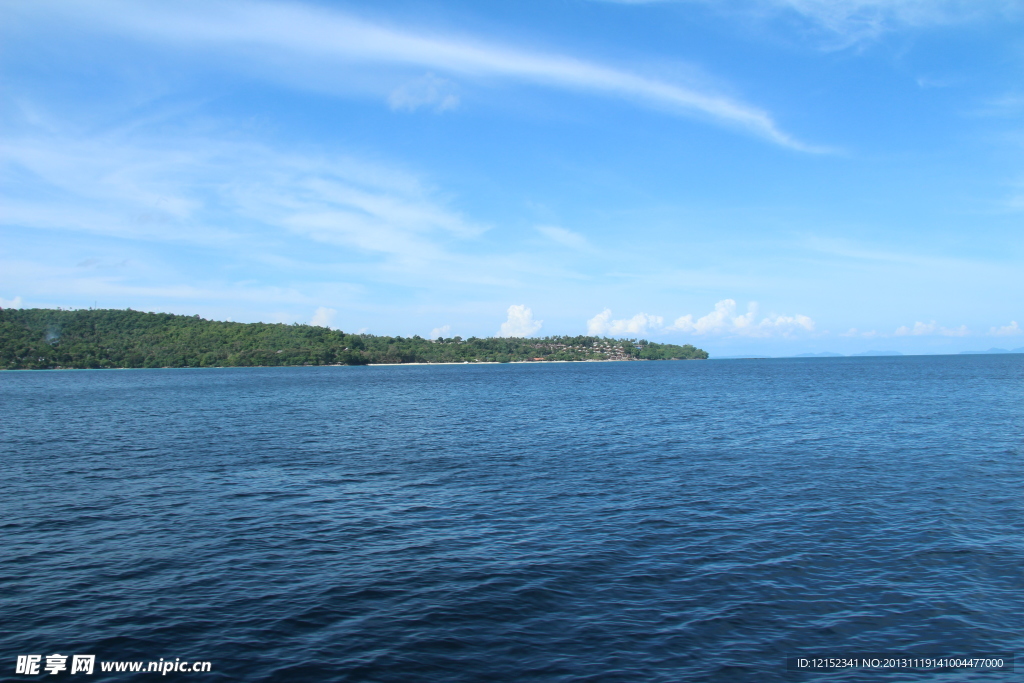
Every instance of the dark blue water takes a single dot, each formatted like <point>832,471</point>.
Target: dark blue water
<point>672,521</point>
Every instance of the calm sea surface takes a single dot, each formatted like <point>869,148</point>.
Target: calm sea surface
<point>659,521</point>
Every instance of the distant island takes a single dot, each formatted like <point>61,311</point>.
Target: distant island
<point>995,350</point>
<point>40,338</point>
<point>823,354</point>
<point>829,354</point>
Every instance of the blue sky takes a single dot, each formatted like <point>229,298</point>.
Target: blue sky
<point>758,176</point>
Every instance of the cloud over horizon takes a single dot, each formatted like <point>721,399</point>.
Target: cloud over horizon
<point>323,317</point>
<point>520,323</point>
<point>921,329</point>
<point>641,323</point>
<point>263,160</point>
<point>725,320</point>
<point>1010,330</point>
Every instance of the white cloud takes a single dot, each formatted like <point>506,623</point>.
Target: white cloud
<point>567,238</point>
<point>725,320</point>
<point>56,283</point>
<point>848,22</point>
<point>783,324</point>
<point>16,303</point>
<point>1010,330</point>
<point>323,317</point>
<point>921,329</point>
<point>859,19</point>
<point>918,329</point>
<point>440,331</point>
<point>107,186</point>
<point>1015,200</point>
<point>428,90</point>
<point>603,325</point>
<point>928,82</point>
<point>303,214</point>
<point>1007,105</point>
<point>854,332</point>
<point>179,191</point>
<point>300,43</point>
<point>520,323</point>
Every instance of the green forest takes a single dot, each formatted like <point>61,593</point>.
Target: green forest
<point>38,338</point>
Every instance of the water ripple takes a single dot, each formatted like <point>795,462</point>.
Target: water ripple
<point>599,522</point>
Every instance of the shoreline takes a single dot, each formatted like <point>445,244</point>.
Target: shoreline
<point>362,365</point>
<point>511,362</point>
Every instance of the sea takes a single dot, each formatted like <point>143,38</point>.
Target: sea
<point>615,521</point>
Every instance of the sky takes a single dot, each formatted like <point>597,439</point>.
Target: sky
<point>766,177</point>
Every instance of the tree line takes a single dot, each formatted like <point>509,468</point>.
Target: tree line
<point>37,338</point>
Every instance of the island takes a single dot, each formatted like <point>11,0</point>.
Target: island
<point>42,338</point>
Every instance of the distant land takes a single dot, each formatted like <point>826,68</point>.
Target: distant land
<point>41,338</point>
<point>995,350</point>
<point>829,354</point>
<point>823,354</point>
<point>878,353</point>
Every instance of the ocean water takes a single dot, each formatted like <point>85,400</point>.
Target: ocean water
<point>658,521</point>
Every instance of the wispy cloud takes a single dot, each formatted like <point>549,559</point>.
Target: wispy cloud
<point>59,284</point>
<point>316,40</point>
<point>425,91</point>
<point>862,19</point>
<point>323,317</point>
<point>930,82</point>
<point>641,323</point>
<point>177,191</point>
<point>440,331</point>
<point>319,220</point>
<point>921,329</point>
<point>1011,330</point>
<point>10,303</point>
<point>1007,105</point>
<point>918,329</point>
<point>854,332</point>
<point>520,323</point>
<point>567,238</point>
<point>848,22</point>
<point>848,249</point>
<point>105,186</point>
<point>725,320</point>
<point>332,209</point>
